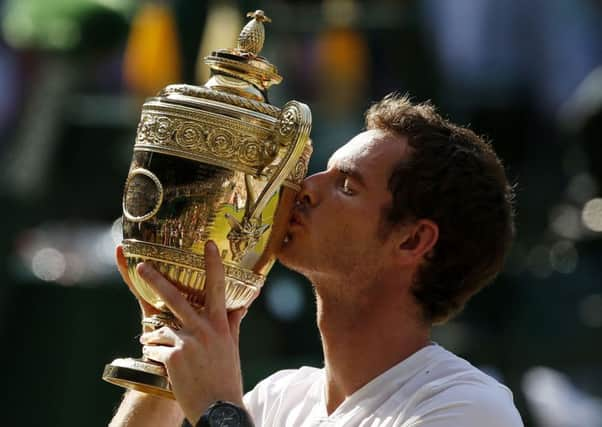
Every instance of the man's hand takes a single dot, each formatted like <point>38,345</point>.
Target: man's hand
<point>202,358</point>
<point>141,409</point>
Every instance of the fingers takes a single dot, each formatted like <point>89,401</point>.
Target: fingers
<point>169,294</point>
<point>162,336</point>
<point>215,284</point>
<point>215,294</point>
<point>163,344</point>
<point>158,353</point>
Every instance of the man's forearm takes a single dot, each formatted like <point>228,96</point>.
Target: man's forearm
<point>145,410</point>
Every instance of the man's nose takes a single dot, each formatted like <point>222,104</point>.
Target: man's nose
<point>309,193</point>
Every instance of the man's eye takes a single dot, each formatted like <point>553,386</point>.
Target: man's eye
<point>345,187</point>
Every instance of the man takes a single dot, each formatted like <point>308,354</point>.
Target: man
<point>408,221</point>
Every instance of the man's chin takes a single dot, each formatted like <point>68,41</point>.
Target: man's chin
<point>292,265</point>
<point>288,255</point>
<point>284,254</point>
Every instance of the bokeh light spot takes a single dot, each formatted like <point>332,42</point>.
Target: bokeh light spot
<point>285,299</point>
<point>582,187</point>
<point>564,257</point>
<point>48,264</point>
<point>592,214</point>
<point>565,221</point>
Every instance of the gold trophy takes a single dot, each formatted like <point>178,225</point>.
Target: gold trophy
<point>215,162</point>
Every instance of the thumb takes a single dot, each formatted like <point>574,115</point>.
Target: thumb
<point>215,284</point>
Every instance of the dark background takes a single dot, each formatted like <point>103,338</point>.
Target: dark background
<point>73,75</point>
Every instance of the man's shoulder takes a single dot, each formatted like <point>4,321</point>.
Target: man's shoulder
<point>453,387</point>
<point>467,403</point>
<point>447,372</point>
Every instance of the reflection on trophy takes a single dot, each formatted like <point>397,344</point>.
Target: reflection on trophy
<point>216,162</point>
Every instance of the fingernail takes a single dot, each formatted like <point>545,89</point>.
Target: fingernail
<point>211,246</point>
<point>142,268</point>
<point>143,338</point>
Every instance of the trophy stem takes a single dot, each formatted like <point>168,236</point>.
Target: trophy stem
<point>157,321</point>
<point>143,374</point>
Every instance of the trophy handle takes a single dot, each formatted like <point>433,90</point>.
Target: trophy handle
<point>292,131</point>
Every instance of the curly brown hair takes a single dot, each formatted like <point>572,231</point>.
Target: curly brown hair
<point>454,178</point>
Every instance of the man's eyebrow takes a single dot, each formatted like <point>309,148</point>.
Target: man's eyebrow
<point>353,173</point>
<point>347,170</point>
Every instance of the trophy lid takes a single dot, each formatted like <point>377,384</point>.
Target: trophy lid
<point>241,70</point>
<point>228,122</point>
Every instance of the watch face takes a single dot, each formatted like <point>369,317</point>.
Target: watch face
<point>225,416</point>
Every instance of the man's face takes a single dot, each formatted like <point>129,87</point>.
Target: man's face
<point>335,227</point>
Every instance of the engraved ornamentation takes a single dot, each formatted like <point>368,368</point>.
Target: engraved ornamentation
<point>271,149</point>
<point>145,127</point>
<point>300,170</point>
<point>187,259</point>
<point>221,143</point>
<point>251,151</point>
<point>244,235</point>
<point>288,121</point>
<point>270,170</point>
<point>190,135</point>
<point>228,143</point>
<point>298,173</point>
<point>163,128</point>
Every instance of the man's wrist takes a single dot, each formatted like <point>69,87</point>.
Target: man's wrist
<point>222,413</point>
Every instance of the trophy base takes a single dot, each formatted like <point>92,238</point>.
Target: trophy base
<point>138,374</point>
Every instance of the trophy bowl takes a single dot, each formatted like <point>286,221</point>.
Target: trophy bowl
<point>215,162</point>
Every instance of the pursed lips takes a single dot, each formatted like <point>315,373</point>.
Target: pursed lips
<point>297,219</point>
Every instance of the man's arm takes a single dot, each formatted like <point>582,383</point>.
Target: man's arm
<point>145,410</point>
<point>201,358</point>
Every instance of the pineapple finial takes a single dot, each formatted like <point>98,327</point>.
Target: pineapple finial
<point>252,36</point>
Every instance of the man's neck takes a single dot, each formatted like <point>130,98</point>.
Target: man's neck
<point>362,342</point>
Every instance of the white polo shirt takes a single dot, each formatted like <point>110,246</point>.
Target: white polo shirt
<point>431,388</point>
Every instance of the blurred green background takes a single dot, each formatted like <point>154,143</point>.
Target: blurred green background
<point>74,73</point>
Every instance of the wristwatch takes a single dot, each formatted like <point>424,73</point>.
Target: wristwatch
<point>225,414</point>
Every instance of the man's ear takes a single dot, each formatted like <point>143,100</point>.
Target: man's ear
<point>417,240</point>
